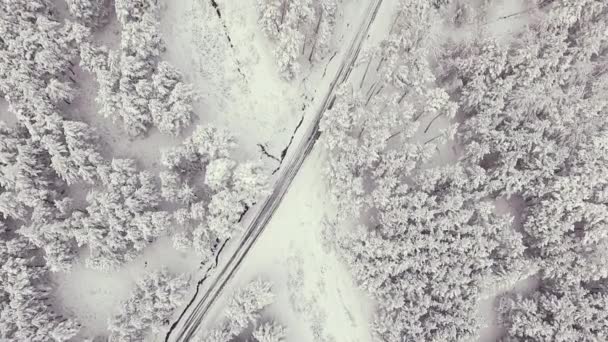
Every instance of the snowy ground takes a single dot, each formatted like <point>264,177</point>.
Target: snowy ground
<point>316,297</point>
<point>95,296</point>
<point>8,118</point>
<point>506,17</point>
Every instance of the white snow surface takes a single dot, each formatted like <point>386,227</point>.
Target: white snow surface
<point>94,296</point>
<point>237,80</point>
<point>324,304</point>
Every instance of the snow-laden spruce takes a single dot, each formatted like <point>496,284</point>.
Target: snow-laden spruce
<point>134,87</point>
<point>37,79</point>
<point>270,332</point>
<point>430,253</point>
<point>212,190</point>
<point>45,152</point>
<point>122,217</point>
<point>535,120</point>
<point>429,245</point>
<point>26,311</point>
<point>149,308</point>
<point>555,313</point>
<point>243,311</point>
<point>32,196</point>
<point>91,13</point>
<point>300,29</point>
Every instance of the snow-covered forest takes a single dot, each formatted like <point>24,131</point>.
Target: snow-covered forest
<point>303,170</point>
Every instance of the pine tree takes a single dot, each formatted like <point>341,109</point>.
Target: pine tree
<point>534,115</point>
<point>246,303</point>
<point>535,122</point>
<point>434,239</point>
<point>92,13</point>
<point>271,12</point>
<point>171,106</point>
<point>150,306</point>
<point>81,143</point>
<point>134,87</point>
<point>324,30</point>
<point>26,314</point>
<point>270,332</point>
<point>297,26</point>
<point>200,176</point>
<point>122,217</point>
<point>428,245</point>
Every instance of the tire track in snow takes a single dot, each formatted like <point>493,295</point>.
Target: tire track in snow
<point>268,207</point>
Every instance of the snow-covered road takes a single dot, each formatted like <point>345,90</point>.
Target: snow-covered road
<point>190,320</point>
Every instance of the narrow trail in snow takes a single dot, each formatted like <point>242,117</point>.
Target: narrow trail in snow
<point>185,331</point>
<point>216,6</point>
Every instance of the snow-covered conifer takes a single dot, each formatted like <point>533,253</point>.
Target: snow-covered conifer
<point>271,17</point>
<point>324,30</point>
<point>122,217</point>
<point>81,142</point>
<point>535,122</point>
<point>134,88</point>
<point>105,65</point>
<point>560,314</point>
<point>34,86</point>
<point>149,307</point>
<point>249,182</point>
<point>243,310</point>
<point>200,175</point>
<point>287,52</point>
<point>134,10</point>
<point>92,13</point>
<point>246,304</point>
<point>423,238</point>
<point>218,173</point>
<point>297,27</point>
<point>270,332</point>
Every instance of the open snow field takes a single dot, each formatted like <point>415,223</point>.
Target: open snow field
<point>316,297</point>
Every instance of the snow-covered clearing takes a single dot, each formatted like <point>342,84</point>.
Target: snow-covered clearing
<point>5,116</point>
<point>316,297</point>
<point>237,79</point>
<point>95,296</point>
<point>341,68</point>
<point>232,67</point>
